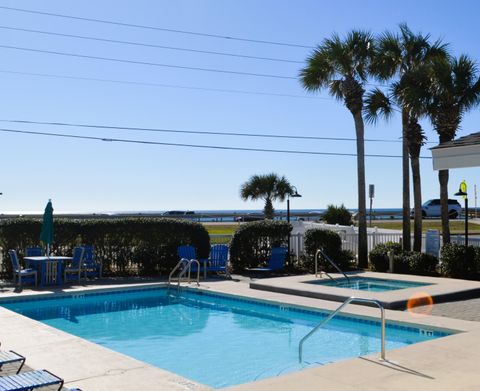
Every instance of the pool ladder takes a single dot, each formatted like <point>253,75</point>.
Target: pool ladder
<point>329,260</point>
<point>329,317</point>
<point>186,266</point>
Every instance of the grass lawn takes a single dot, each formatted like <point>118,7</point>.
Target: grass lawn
<point>456,226</point>
<point>221,229</point>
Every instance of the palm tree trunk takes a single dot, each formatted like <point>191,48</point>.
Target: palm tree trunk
<point>362,209</point>
<point>268,210</point>
<point>443,179</point>
<point>417,200</point>
<point>406,232</point>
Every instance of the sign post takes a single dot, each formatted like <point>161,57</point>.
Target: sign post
<point>371,194</point>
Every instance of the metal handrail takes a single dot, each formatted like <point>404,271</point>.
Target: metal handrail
<point>329,317</point>
<point>320,251</point>
<point>184,271</point>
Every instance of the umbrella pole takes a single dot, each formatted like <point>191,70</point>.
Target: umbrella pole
<point>48,249</point>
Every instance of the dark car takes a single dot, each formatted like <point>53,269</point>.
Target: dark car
<point>178,213</point>
<point>250,217</point>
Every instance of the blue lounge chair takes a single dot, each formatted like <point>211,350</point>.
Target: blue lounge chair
<point>276,261</point>
<point>19,274</point>
<point>74,270</point>
<point>188,252</point>
<point>218,261</point>
<point>28,381</point>
<point>11,357</point>
<point>91,267</point>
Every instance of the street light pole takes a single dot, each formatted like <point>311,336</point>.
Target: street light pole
<point>462,191</point>
<point>466,222</point>
<point>294,194</point>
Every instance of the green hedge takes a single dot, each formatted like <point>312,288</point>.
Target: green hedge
<point>378,256</point>
<point>404,262</point>
<point>125,246</point>
<point>454,263</point>
<point>252,242</point>
<point>331,242</point>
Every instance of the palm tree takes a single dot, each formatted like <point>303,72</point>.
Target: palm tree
<point>445,90</point>
<point>398,55</point>
<point>342,66</point>
<point>269,187</point>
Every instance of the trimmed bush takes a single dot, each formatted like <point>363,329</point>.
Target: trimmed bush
<point>252,242</point>
<point>454,263</point>
<point>379,261</point>
<point>125,246</point>
<point>404,262</point>
<point>331,242</point>
<point>421,263</point>
<point>337,215</point>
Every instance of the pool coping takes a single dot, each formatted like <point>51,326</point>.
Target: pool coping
<point>439,289</point>
<point>113,376</point>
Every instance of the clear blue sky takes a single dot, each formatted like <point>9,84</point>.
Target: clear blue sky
<point>81,175</point>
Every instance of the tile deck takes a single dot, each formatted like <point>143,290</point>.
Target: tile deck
<point>442,364</point>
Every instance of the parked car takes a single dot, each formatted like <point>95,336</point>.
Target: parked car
<point>250,217</point>
<point>432,208</point>
<point>178,213</point>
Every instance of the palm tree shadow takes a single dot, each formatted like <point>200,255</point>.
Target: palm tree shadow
<point>398,367</point>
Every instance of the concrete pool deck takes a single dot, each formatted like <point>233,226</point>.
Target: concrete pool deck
<point>439,289</point>
<point>448,363</point>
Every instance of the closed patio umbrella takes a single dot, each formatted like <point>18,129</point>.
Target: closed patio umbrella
<point>46,235</point>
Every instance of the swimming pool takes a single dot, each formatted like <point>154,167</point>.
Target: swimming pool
<point>213,339</point>
<point>368,284</point>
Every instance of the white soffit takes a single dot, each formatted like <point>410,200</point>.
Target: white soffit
<point>456,157</point>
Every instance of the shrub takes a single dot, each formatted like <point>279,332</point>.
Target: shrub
<point>421,263</point>
<point>379,256</point>
<point>337,215</point>
<point>331,243</point>
<point>404,262</point>
<point>252,242</point>
<point>128,245</point>
<point>454,263</point>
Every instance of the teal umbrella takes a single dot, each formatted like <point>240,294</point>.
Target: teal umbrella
<point>46,235</point>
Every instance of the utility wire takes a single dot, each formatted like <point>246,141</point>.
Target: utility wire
<point>155,64</point>
<point>218,147</point>
<point>133,43</point>
<point>242,134</point>
<point>112,22</point>
<point>140,83</point>
<point>158,64</point>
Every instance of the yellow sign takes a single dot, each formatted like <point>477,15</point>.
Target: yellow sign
<point>463,188</point>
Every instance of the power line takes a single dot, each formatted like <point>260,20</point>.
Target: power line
<point>133,43</point>
<point>155,28</point>
<point>149,84</point>
<point>218,147</point>
<point>155,64</point>
<point>242,134</point>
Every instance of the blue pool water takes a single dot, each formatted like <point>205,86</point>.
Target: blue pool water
<point>213,339</point>
<point>368,284</point>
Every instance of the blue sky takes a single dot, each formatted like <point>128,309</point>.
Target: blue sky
<point>82,175</point>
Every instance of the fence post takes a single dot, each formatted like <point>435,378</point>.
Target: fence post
<point>390,261</point>
<point>374,237</point>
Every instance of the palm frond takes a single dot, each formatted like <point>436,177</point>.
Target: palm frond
<point>335,88</point>
<point>317,74</point>
<point>377,105</point>
<point>388,56</point>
